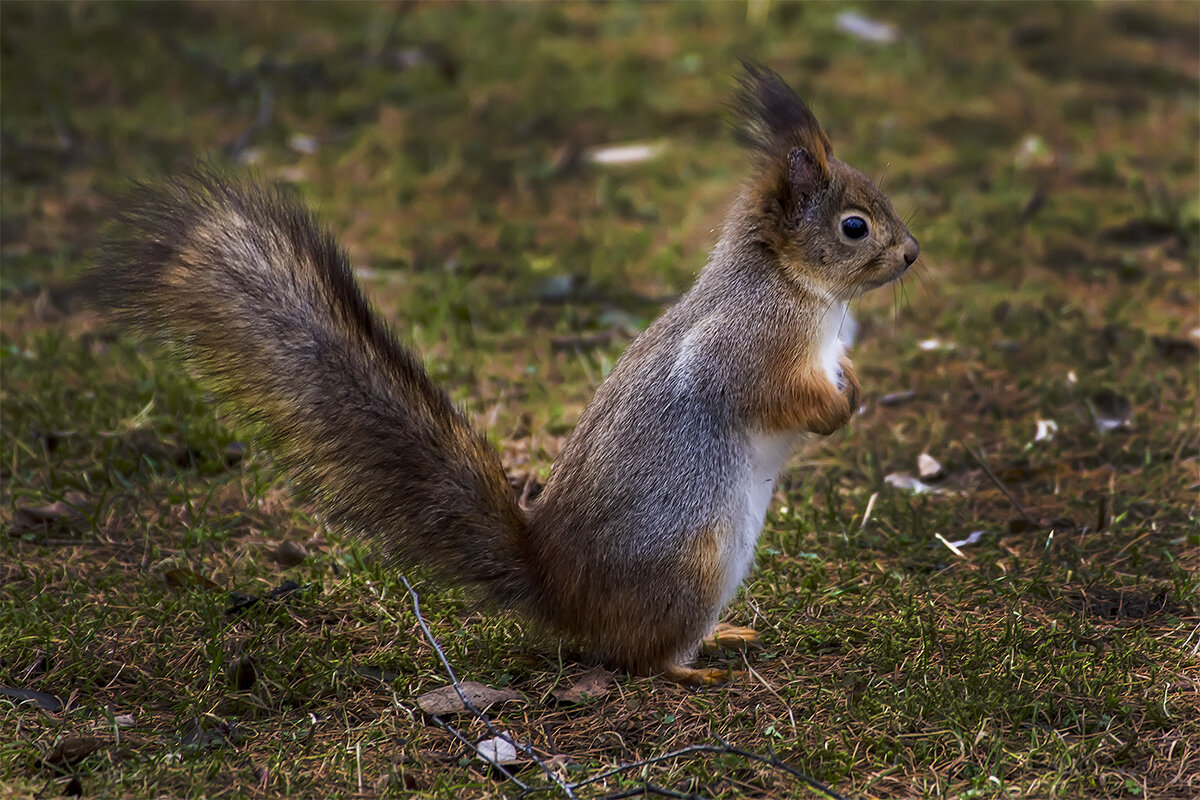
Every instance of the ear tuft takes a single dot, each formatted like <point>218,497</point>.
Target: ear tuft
<point>774,121</point>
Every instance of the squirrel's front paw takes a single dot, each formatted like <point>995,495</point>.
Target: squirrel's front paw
<point>834,413</point>
<point>850,387</point>
<point>730,637</point>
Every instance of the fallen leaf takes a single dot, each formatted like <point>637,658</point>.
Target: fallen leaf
<point>377,674</point>
<point>234,453</point>
<point>1020,472</point>
<point>498,752</point>
<point>45,701</point>
<point>180,578</point>
<point>1111,411</point>
<point>1046,430</point>
<point>972,538</point>
<point>61,513</point>
<point>446,700</point>
<point>243,674</point>
<point>865,28</point>
<point>239,602</point>
<point>907,483</point>
<point>283,590</point>
<point>596,683</point>
<point>290,554</point>
<point>631,153</point>
<point>928,468</point>
<point>72,749</point>
<point>197,738</point>
<point>303,143</point>
<point>1021,525</point>
<point>897,398</point>
<point>1176,349</point>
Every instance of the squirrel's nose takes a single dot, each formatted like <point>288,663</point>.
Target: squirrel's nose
<point>911,251</point>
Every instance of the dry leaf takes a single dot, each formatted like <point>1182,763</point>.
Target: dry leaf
<point>446,700</point>
<point>45,701</point>
<point>64,513</point>
<point>906,482</point>
<point>928,468</point>
<point>290,554</point>
<point>631,153</point>
<point>865,28</point>
<point>72,749</point>
<point>1176,349</point>
<point>897,398</point>
<point>243,674</point>
<point>234,453</point>
<point>497,752</point>
<point>972,538</point>
<point>1112,411</point>
<point>1046,429</point>
<point>180,578</point>
<point>596,683</point>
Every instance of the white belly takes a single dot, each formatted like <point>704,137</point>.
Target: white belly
<point>767,455</point>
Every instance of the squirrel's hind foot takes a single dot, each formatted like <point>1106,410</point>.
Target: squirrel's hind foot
<point>698,678</point>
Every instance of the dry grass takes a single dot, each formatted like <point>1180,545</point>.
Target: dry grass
<point>1049,168</point>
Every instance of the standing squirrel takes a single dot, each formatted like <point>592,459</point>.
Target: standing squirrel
<point>648,522</point>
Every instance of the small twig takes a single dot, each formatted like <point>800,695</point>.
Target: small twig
<point>266,106</point>
<point>777,763</point>
<point>724,749</point>
<point>617,770</point>
<point>988,471</point>
<point>951,546</point>
<point>526,749</point>
<point>867,514</point>
<point>771,689</point>
<point>650,788</point>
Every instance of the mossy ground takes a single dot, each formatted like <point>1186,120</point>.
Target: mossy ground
<point>1044,155</point>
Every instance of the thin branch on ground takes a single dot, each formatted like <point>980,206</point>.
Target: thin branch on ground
<point>651,789</point>
<point>988,471</point>
<point>723,749</point>
<point>776,762</point>
<point>526,749</point>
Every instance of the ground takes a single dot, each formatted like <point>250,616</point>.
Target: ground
<point>173,622</point>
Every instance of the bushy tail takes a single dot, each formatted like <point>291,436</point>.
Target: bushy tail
<point>261,301</point>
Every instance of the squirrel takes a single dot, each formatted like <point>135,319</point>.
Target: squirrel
<point>648,521</point>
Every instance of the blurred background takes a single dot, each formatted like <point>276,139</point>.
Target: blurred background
<point>542,178</point>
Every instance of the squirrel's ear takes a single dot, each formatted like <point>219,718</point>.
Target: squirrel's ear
<point>808,173</point>
<point>773,120</point>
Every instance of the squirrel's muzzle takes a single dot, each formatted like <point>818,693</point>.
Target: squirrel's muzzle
<point>911,250</point>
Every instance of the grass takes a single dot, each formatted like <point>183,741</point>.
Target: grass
<point>1047,163</point>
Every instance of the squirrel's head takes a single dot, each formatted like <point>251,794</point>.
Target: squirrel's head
<point>825,222</point>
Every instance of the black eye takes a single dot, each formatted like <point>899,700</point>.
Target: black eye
<point>854,227</point>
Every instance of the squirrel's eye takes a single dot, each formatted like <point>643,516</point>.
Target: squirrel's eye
<point>854,227</point>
